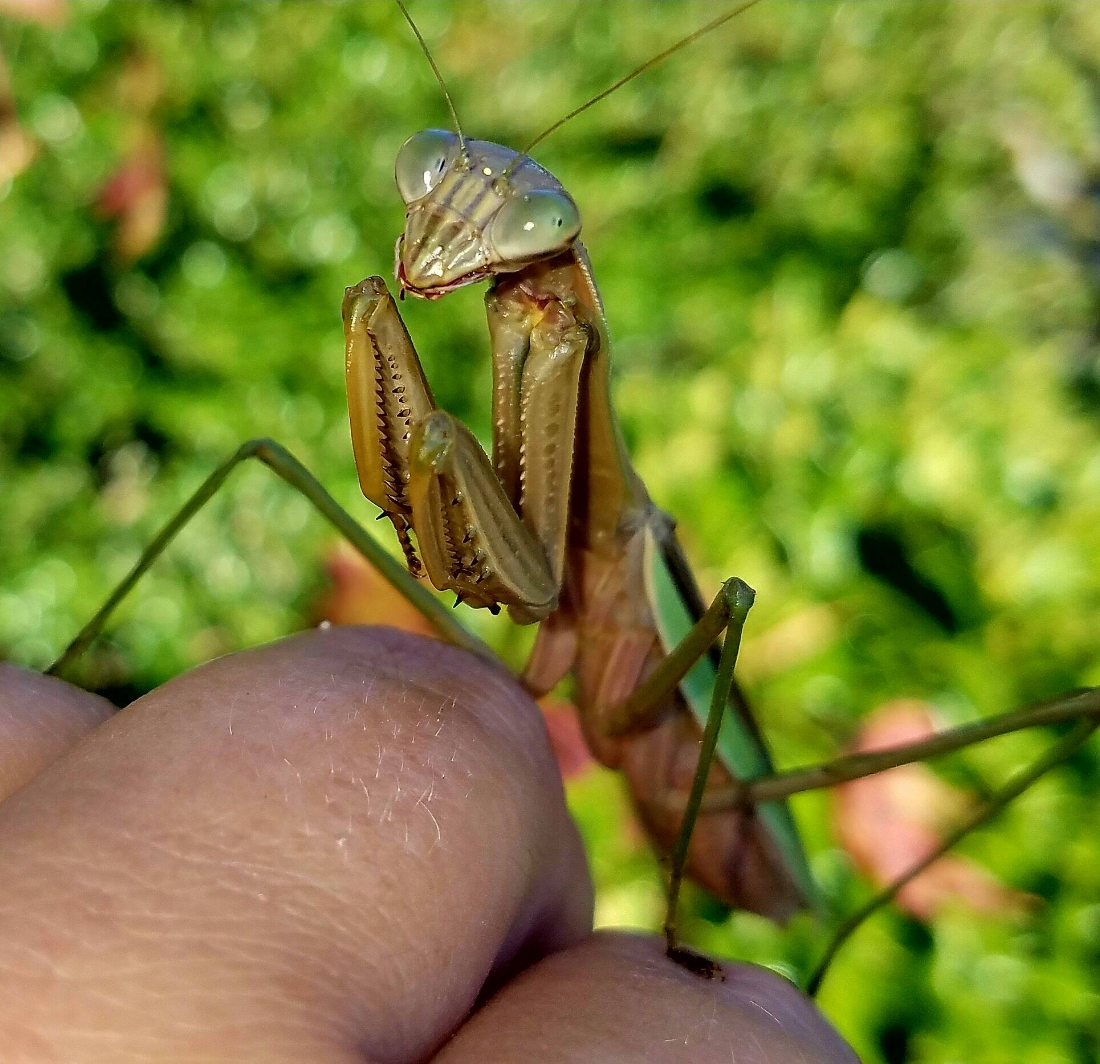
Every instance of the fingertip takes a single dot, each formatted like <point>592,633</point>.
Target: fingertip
<point>345,833</point>
<point>616,996</point>
<point>41,718</point>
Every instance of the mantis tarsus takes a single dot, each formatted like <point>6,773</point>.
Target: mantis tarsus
<point>555,551</point>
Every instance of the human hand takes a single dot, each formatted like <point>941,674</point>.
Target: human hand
<point>328,849</point>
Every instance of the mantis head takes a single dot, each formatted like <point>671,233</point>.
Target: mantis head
<point>473,210</point>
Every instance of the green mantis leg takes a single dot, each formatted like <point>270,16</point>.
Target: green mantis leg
<point>640,711</point>
<point>286,466</point>
<point>742,598</point>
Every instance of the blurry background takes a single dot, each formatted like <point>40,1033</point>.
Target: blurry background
<point>851,256</point>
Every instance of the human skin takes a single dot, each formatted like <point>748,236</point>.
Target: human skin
<point>329,849</point>
<point>40,719</point>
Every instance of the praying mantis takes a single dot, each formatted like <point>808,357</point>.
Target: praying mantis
<point>577,567</point>
<point>558,526</point>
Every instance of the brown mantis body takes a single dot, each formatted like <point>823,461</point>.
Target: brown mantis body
<point>558,527</point>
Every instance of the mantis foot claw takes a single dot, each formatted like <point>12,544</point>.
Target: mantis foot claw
<point>696,963</point>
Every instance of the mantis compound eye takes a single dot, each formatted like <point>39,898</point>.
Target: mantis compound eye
<point>534,225</point>
<point>422,162</point>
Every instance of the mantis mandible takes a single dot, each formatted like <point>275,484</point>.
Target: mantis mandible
<point>557,526</point>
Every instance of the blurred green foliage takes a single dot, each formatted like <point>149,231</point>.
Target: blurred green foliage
<point>850,255</point>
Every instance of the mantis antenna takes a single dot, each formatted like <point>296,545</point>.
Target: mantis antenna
<point>702,31</point>
<point>438,76</point>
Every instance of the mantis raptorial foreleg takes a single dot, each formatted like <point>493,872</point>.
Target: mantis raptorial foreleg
<point>493,536</point>
<point>472,540</point>
<point>549,397</point>
<point>426,471</point>
<point>387,395</point>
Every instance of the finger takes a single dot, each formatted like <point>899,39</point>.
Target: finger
<point>318,850</point>
<point>616,997</point>
<point>40,719</point>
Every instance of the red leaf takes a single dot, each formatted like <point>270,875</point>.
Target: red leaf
<point>360,595</point>
<point>566,737</point>
<point>136,196</point>
<point>890,821</point>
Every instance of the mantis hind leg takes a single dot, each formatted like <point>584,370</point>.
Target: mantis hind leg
<point>286,466</point>
<point>644,707</point>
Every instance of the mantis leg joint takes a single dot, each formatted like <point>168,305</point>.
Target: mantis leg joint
<point>738,597</point>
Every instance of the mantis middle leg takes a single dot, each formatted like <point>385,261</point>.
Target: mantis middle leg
<point>285,465</point>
